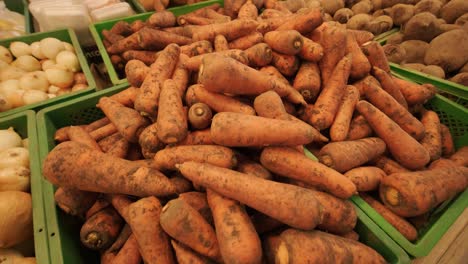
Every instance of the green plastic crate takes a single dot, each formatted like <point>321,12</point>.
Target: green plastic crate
<point>455,117</point>
<point>97,28</point>
<point>67,35</point>
<point>384,36</point>
<point>21,6</point>
<point>140,9</point>
<point>24,124</point>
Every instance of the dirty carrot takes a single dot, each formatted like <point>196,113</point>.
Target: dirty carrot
<point>136,72</point>
<point>287,42</point>
<point>198,201</point>
<point>432,139</point>
<point>197,48</point>
<point>304,22</point>
<point>333,41</point>
<point>128,43</point>
<point>253,168</point>
<point>145,56</point>
<point>185,255</point>
<point>231,30</point>
<point>286,64</point>
<point>359,128</point>
<point>259,55</point>
<point>247,41</point>
<point>181,75</point>
<point>162,19</point>
<point>99,205</point>
<point>121,28</point>
<point>248,11</point>
<point>149,142</point>
<point>448,147</point>
<point>415,93</point>
<point>199,116</point>
<point>153,39</point>
<point>376,55</point>
<point>388,165</point>
<point>220,43</point>
<point>339,130</point>
<point>221,103</point>
<point>311,51</point>
<point>389,85</point>
<point>366,178</point>
<point>74,202</point>
<point>460,156</point>
<point>102,229</point>
<point>79,135</point>
<point>126,97</point>
<point>360,66</point>
<point>129,253</point>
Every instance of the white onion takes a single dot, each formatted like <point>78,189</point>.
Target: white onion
<point>5,105</point>
<point>53,89</point>
<point>8,255</point>
<point>11,91</point>
<point>3,64</point>
<point>19,48</point>
<point>50,47</point>
<point>16,223</point>
<point>63,91</point>
<point>50,95</point>
<point>27,63</point>
<point>25,143</point>
<point>11,72</point>
<point>80,77</point>
<point>68,46</point>
<point>14,157</point>
<point>59,77</point>
<point>34,96</point>
<point>9,139</point>
<point>69,60</point>
<point>79,87</point>
<point>14,179</point>
<point>47,64</point>
<point>5,55</point>
<point>34,81</point>
<point>36,50</point>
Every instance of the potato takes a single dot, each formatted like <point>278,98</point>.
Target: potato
<point>449,50</point>
<point>464,68</point>
<point>462,20</point>
<point>362,7</point>
<point>423,26</point>
<point>401,13</point>
<point>448,27</point>
<point>331,6</point>
<point>377,4</point>
<point>396,38</point>
<point>453,10</point>
<point>434,70</point>
<point>415,50</point>
<point>343,15</point>
<point>16,221</point>
<point>148,5</point>
<point>431,6</point>
<point>327,17</point>
<point>394,53</point>
<point>461,78</point>
<point>414,66</point>
<point>380,25</point>
<point>359,22</point>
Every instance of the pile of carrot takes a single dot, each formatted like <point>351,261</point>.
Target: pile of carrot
<point>202,159</point>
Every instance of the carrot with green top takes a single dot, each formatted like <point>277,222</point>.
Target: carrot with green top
<point>339,130</point>
<point>287,203</point>
<point>292,164</point>
<point>403,147</point>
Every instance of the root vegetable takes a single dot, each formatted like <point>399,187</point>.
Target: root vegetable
<point>34,81</point>
<point>34,96</point>
<point>415,50</point>
<point>69,60</point>
<point>366,178</point>
<point>14,157</point>
<point>11,72</point>
<point>453,10</point>
<point>462,20</point>
<point>376,55</point>
<point>199,116</point>
<point>331,6</point>
<point>423,26</point>
<point>432,139</point>
<point>5,55</point>
<point>448,50</point>
<point>415,93</point>
<point>16,224</point>
<point>27,63</point>
<point>60,78</point>
<point>389,86</point>
<point>461,78</point>
<point>19,49</point>
<point>14,179</point>
<point>414,66</point>
<point>50,47</point>
<point>36,50</point>
<point>432,6</point>
<point>396,38</point>
<point>434,70</point>
<point>340,127</point>
<point>101,229</point>
<point>380,25</point>
<point>360,65</point>
<point>359,22</point>
<point>343,15</point>
<point>401,13</point>
<point>287,42</point>
<point>9,139</point>
<point>362,7</point>
<point>221,103</point>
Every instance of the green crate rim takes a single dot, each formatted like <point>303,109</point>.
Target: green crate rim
<point>41,246</point>
<point>81,57</point>
<point>95,32</point>
<point>384,36</point>
<point>22,8</point>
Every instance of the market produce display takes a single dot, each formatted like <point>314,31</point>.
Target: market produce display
<point>203,156</point>
<point>159,5</point>
<point>32,73</point>
<point>16,223</point>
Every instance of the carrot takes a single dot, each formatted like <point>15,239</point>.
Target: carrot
<point>376,55</point>
<point>136,72</point>
<point>199,202</point>
<point>121,28</point>
<point>398,113</point>
<point>137,25</point>
<point>345,155</point>
<point>197,137</point>
<point>432,139</point>
<point>120,148</point>
<point>264,223</point>
<point>404,148</point>
<point>269,24</point>
<point>99,172</point>
<point>172,120</point>
<point>442,163</point>
<point>103,131</point>
<point>149,142</point>
<point>270,13</point>
<point>311,51</point>
<point>213,14</point>
<point>231,30</point>
<point>108,142</point>
<point>134,152</point>
<point>259,55</point>
<point>153,39</point>
<point>147,57</point>
<point>351,235</point>
<point>234,230</point>
<point>289,209</point>
<point>234,129</point>
<point>248,11</point>
<point>246,41</point>
<point>252,81</point>
<point>292,164</point>
<point>287,42</point>
<point>61,134</point>
<point>128,43</point>
<point>220,43</point>
<point>269,104</point>
<point>127,121</point>
<point>148,99</point>
<point>98,206</point>
<point>415,93</point>
<point>119,242</point>
<point>221,103</point>
<point>101,229</point>
<point>232,7</point>
<point>110,36</point>
<point>366,178</point>
<point>159,5</point>
<point>153,243</point>
<point>272,71</point>
<point>296,246</point>
<point>195,20</point>
<point>304,22</point>
<point>288,65</point>
<point>79,135</point>
<point>359,128</point>
<point>339,130</point>
<point>118,62</point>
<point>199,116</point>
<point>360,65</point>
<point>403,226</point>
<point>187,256</point>
<point>162,19</point>
<point>448,147</point>
<point>120,203</point>
<point>193,63</point>
<point>129,253</point>
<point>185,224</point>
<point>361,36</point>
<point>74,202</point>
<point>125,97</point>
<point>327,104</point>
<point>414,193</point>
<point>189,97</point>
<point>363,83</point>
<point>333,42</point>
<point>253,168</point>
<point>181,75</point>
<point>460,157</point>
<point>389,85</point>
<point>388,165</point>
<point>168,158</point>
<point>339,216</point>
<point>197,48</point>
